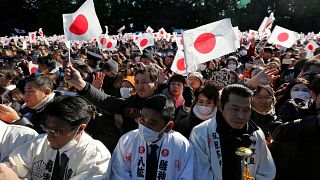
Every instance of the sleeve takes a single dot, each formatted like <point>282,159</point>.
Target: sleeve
<point>103,101</point>
<point>99,168</point>
<point>118,168</point>
<point>21,160</point>
<point>266,168</point>
<point>202,167</point>
<point>187,170</point>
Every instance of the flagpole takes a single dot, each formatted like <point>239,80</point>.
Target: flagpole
<point>69,52</point>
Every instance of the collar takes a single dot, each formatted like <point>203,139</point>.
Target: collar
<point>159,142</point>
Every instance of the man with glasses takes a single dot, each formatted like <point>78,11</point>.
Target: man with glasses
<point>66,151</point>
<point>153,151</point>
<point>146,82</point>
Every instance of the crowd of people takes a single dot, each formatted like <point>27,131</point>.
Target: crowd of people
<point>125,114</point>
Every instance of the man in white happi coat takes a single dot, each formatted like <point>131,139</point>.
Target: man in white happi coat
<point>12,136</point>
<point>66,151</point>
<point>153,151</point>
<point>215,141</point>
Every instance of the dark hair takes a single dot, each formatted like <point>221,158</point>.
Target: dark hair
<point>5,96</point>
<point>40,82</point>
<point>315,85</point>
<point>154,73</point>
<point>161,104</point>
<point>73,110</point>
<point>9,74</point>
<point>178,78</point>
<point>268,88</point>
<point>309,63</point>
<point>209,91</point>
<point>47,61</point>
<point>235,74</point>
<point>236,89</point>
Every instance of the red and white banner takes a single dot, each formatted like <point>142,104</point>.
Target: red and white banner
<point>40,32</point>
<point>162,33</point>
<point>207,42</point>
<point>149,30</point>
<point>32,37</point>
<point>144,41</point>
<point>111,45</point>
<point>83,24</point>
<point>283,37</point>
<point>179,42</point>
<point>266,24</point>
<point>311,46</point>
<point>178,65</point>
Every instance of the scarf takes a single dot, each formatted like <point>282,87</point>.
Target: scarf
<point>204,117</point>
<point>272,111</point>
<point>43,102</point>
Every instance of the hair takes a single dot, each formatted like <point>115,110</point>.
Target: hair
<point>286,94</point>
<point>235,74</point>
<point>153,72</point>
<point>41,82</point>
<point>161,104</point>
<point>73,110</point>
<point>9,74</point>
<point>178,78</point>
<point>309,63</point>
<point>209,91</point>
<point>315,85</point>
<point>47,61</point>
<point>236,89</point>
<point>268,88</point>
<point>5,96</point>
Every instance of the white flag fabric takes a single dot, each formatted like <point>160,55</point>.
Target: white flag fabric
<point>253,34</point>
<point>178,65</point>
<point>162,32</point>
<point>207,42</point>
<point>121,29</point>
<point>24,45</point>
<point>111,44</point>
<point>283,37</point>
<point>5,41</point>
<point>102,41</point>
<point>179,42</point>
<point>32,36</point>
<point>236,33</point>
<point>83,24</point>
<point>263,25</point>
<point>267,23</point>
<point>144,41</point>
<point>149,30</point>
<point>107,29</point>
<point>311,46</point>
<point>32,67</point>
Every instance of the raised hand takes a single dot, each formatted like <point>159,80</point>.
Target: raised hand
<point>7,114</point>
<point>265,77</point>
<point>73,77</point>
<point>97,81</point>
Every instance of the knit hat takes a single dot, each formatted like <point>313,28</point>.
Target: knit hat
<point>111,65</point>
<point>197,75</point>
<point>130,79</point>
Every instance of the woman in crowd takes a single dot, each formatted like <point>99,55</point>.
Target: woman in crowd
<point>195,81</point>
<point>175,88</point>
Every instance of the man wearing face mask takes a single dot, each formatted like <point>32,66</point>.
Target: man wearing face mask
<point>66,151</point>
<point>153,151</point>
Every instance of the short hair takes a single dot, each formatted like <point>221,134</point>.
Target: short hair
<point>236,89</point>
<point>209,91</point>
<point>40,82</point>
<point>47,61</point>
<point>178,78</point>
<point>309,63</point>
<point>73,110</point>
<point>153,71</point>
<point>9,74</point>
<point>161,104</point>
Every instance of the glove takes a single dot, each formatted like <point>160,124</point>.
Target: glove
<point>187,96</point>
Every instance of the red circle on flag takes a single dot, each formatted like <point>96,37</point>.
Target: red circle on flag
<point>136,38</point>
<point>32,36</point>
<point>149,31</point>
<point>252,33</point>
<point>180,65</point>
<point>310,47</point>
<point>109,45</point>
<point>282,37</point>
<point>161,32</point>
<point>80,25</point>
<point>205,43</point>
<point>143,42</point>
<point>103,41</point>
<point>181,41</point>
<point>155,35</point>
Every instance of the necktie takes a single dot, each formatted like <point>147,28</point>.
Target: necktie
<point>60,165</point>
<point>152,163</point>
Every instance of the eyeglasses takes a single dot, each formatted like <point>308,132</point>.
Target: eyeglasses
<point>261,98</point>
<point>57,132</point>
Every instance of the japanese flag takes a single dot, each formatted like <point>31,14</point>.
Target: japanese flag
<point>266,24</point>
<point>179,66</point>
<point>156,36</point>
<point>253,34</point>
<point>207,42</point>
<point>162,32</point>
<point>111,45</point>
<point>102,41</point>
<point>5,41</point>
<point>149,30</point>
<point>32,36</point>
<point>311,46</point>
<point>179,42</point>
<point>40,32</point>
<point>32,67</point>
<point>83,24</point>
<point>144,41</point>
<point>283,37</point>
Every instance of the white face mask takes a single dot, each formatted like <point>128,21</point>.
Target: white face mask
<point>202,67</point>
<point>204,112</point>
<point>232,66</point>
<point>149,135</point>
<point>125,92</point>
<point>243,52</point>
<point>300,95</point>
